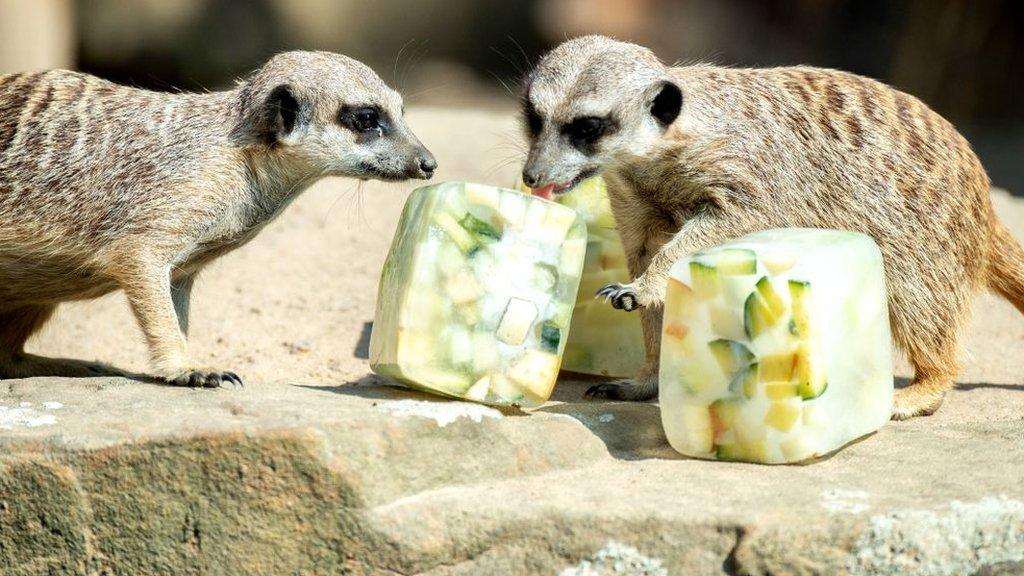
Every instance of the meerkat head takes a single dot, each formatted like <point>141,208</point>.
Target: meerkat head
<point>589,102</point>
<point>327,114</point>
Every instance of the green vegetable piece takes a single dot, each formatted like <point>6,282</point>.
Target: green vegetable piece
<point>550,337</point>
<point>771,297</point>
<point>736,261</point>
<point>463,239</point>
<point>800,294</point>
<point>745,382</point>
<point>732,356</point>
<point>482,230</point>
<point>706,282</point>
<point>757,315</point>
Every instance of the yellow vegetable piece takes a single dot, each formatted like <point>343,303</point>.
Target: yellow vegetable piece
<point>782,415</point>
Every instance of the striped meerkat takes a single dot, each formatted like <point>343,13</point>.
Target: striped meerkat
<point>105,187</point>
<point>696,155</point>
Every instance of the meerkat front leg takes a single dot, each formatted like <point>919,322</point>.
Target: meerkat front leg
<point>647,293</point>
<point>149,291</point>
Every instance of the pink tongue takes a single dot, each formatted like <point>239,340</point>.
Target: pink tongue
<point>545,192</point>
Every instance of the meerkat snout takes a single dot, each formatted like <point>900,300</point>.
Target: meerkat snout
<point>588,103</point>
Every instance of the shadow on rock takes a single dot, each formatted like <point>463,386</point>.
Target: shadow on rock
<point>376,388</point>
<point>362,350</point>
<point>630,430</point>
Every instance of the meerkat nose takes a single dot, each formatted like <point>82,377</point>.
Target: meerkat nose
<point>428,164</point>
<point>531,179</point>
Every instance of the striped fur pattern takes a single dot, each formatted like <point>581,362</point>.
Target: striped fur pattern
<point>106,187</point>
<point>752,149</point>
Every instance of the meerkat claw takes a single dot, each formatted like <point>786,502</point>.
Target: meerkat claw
<point>200,379</point>
<point>621,297</point>
<point>607,390</point>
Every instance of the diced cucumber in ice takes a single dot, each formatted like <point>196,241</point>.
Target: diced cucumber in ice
<point>777,367</point>
<point>516,321</point>
<point>469,313</point>
<point>780,390</point>
<point>550,337</point>
<point>809,378</point>
<point>724,414</point>
<point>800,294</point>
<point>706,282</point>
<point>462,288</point>
<point>736,261</point>
<point>678,300</point>
<point>745,382</point>
<point>482,230</point>
<point>463,239</point>
<point>560,313</point>
<point>535,371</point>
<point>699,435</point>
<point>505,389</point>
<point>782,415</point>
<point>478,391</point>
<point>448,381</point>
<point>771,297</point>
<point>757,315</point>
<point>756,451</point>
<point>731,356</point>
<point>726,322</point>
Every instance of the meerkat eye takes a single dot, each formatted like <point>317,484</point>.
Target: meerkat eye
<point>361,119</point>
<point>585,131</point>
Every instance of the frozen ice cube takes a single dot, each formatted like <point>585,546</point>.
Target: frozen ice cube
<point>475,298</point>
<point>776,347</point>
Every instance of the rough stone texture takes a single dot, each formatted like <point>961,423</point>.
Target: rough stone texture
<point>318,468</point>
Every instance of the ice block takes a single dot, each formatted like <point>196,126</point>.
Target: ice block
<point>776,347</point>
<point>476,294</point>
<point>603,341</point>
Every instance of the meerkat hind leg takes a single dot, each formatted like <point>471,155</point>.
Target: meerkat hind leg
<point>17,325</point>
<point>645,385</point>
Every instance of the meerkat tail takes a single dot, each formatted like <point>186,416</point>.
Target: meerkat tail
<point>1006,266</point>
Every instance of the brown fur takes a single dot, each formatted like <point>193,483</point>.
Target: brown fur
<point>105,187</point>
<point>754,149</point>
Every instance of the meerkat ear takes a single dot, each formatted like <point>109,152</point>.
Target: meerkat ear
<point>285,116</point>
<point>667,103</point>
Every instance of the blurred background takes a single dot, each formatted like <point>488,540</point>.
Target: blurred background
<point>962,57</point>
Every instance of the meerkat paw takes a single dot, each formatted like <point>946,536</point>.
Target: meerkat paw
<point>910,403</point>
<point>637,390</point>
<point>206,379</point>
<point>621,296</point>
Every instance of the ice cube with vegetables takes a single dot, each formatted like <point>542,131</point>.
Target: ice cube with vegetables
<point>602,341</point>
<point>476,294</point>
<point>776,347</point>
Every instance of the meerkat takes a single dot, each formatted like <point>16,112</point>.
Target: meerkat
<point>106,187</point>
<point>696,155</point>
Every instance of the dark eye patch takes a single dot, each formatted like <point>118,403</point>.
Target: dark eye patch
<point>534,123</point>
<point>585,131</point>
<point>368,120</point>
